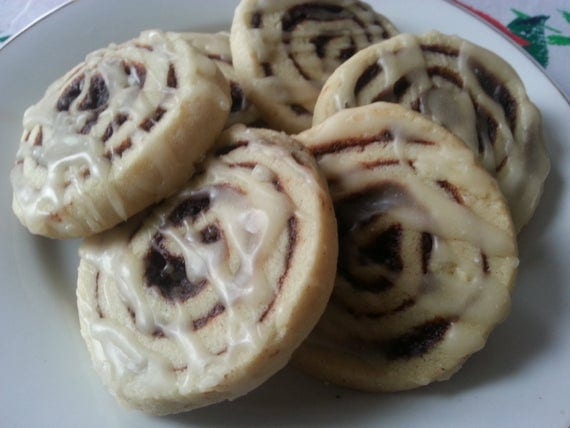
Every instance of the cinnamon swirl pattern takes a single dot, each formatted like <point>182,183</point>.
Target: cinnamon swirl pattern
<point>466,88</point>
<point>204,297</point>
<point>427,253</point>
<point>284,51</point>
<point>120,131</point>
<point>216,46</point>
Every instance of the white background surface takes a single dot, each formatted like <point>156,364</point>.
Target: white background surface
<point>521,379</point>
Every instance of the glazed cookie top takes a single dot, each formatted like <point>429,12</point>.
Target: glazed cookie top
<point>285,50</point>
<point>108,117</point>
<point>427,252</point>
<point>464,87</point>
<point>208,294</point>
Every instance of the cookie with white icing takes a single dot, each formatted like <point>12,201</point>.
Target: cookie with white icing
<point>471,91</point>
<point>216,46</point>
<point>203,298</point>
<point>284,51</point>
<point>427,251</point>
<point>120,131</point>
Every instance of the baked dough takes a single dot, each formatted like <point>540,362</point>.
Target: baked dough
<point>427,251</point>
<point>117,133</point>
<point>204,297</point>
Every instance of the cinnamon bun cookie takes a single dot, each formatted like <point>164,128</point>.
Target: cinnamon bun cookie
<point>120,131</point>
<point>284,51</point>
<point>203,298</point>
<point>427,252</point>
<point>471,91</point>
<point>217,47</point>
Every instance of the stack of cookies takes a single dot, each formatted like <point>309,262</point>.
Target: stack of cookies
<point>311,186</point>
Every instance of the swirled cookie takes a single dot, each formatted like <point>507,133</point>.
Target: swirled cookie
<point>284,51</point>
<point>217,47</point>
<point>427,252</point>
<point>466,88</point>
<point>206,296</point>
<point>120,131</point>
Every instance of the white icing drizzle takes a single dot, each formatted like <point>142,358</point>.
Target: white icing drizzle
<point>66,152</point>
<point>253,220</point>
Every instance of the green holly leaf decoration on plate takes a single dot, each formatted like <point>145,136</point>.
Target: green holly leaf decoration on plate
<point>534,30</point>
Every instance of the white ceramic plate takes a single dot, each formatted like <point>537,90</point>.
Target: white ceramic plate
<point>521,379</point>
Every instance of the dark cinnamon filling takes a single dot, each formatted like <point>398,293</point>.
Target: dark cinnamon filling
<point>451,190</point>
<point>199,323</point>
<point>97,94</point>
<point>421,142</point>
<point>256,20</point>
<point>446,74</point>
<point>298,159</point>
<point>158,333</point>
<point>361,248</point>
<point>239,101</point>
<point>89,123</point>
<point>246,165</point>
<point>85,173</point>
<point>373,315</point>
<point>371,284</point>
<point>418,341</point>
<point>70,93</point>
<point>384,136</point>
<point>487,128</point>
<point>299,68</point>
<point>98,305</point>
<point>321,12</point>
<point>313,12</point>
<point>167,273</point>
<point>501,164</point>
<point>426,249</point>
<point>148,123</point>
<point>230,148</point>
<point>497,91</point>
<point>210,234</point>
<point>366,77</point>
<point>299,109</point>
<point>485,263</point>
<point>349,51</point>
<point>220,58</point>
<point>320,42</point>
<point>380,163</point>
<point>190,207</point>
<point>267,70</point>
<point>137,71</point>
<point>385,249</point>
<point>441,49</point>
<point>171,79</point>
<point>120,149</point>
<point>118,120</point>
<point>395,93</point>
<point>416,105</point>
